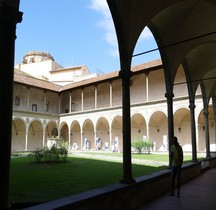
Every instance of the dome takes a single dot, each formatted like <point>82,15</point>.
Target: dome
<point>36,56</point>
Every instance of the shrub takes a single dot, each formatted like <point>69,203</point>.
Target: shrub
<point>142,146</point>
<point>53,155</point>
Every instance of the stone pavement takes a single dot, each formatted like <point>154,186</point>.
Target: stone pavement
<point>197,194</point>
<point>101,156</point>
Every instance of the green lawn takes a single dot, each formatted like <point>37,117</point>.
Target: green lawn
<point>44,182</point>
<point>160,157</point>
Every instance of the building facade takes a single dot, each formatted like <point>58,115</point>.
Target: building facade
<point>91,108</point>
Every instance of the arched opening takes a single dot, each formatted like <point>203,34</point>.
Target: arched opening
<point>88,135</point>
<point>158,130</point>
<point>18,135</point>
<point>75,133</point>
<point>102,131</point>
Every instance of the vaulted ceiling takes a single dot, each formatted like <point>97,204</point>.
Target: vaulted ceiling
<point>185,31</point>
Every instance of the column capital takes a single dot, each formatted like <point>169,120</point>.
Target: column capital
<point>147,73</point>
<point>205,113</point>
<point>125,75</point>
<point>169,95</point>
<point>192,106</point>
<point>9,17</point>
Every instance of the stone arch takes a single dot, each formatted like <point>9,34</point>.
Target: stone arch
<point>117,133</point>
<point>182,128</point>
<point>212,129</point>
<point>201,131</point>
<point>18,134</point>
<point>180,87</point>
<point>35,135</point>
<point>202,128</point>
<point>88,134</point>
<point>158,130</point>
<point>75,132</point>
<point>102,129</point>
<point>64,130</point>
<point>138,127</point>
<point>162,110</point>
<point>51,129</point>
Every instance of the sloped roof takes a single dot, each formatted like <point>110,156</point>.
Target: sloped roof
<point>111,76</point>
<point>27,79</point>
<point>93,80</point>
<point>148,65</point>
<point>24,78</point>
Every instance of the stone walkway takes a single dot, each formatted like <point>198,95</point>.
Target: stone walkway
<point>100,156</point>
<point>197,194</point>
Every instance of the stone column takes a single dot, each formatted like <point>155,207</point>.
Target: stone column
<point>206,113</point>
<point>9,17</point>
<point>26,139</point>
<point>44,135</point>
<point>147,131</point>
<point>69,138</point>
<point>214,111</point>
<point>169,97</point>
<point>81,135</point>
<point>110,138</point>
<point>95,137</point>
<point>127,168</point>
<point>193,132</point>
<point>197,135</point>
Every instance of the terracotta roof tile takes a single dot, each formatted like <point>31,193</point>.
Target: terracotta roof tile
<point>21,77</point>
<point>93,80</point>
<point>147,65</point>
<point>27,79</point>
<point>112,75</point>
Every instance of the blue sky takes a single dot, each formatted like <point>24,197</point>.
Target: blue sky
<point>74,32</point>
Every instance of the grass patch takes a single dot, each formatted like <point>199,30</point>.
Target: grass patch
<point>159,157</point>
<point>36,183</point>
<point>44,182</point>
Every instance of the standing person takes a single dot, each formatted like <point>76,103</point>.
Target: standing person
<point>176,156</point>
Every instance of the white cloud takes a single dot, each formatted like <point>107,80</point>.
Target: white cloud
<point>100,6</point>
<point>146,34</point>
<point>106,23</point>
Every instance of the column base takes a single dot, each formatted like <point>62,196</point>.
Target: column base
<point>127,181</point>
